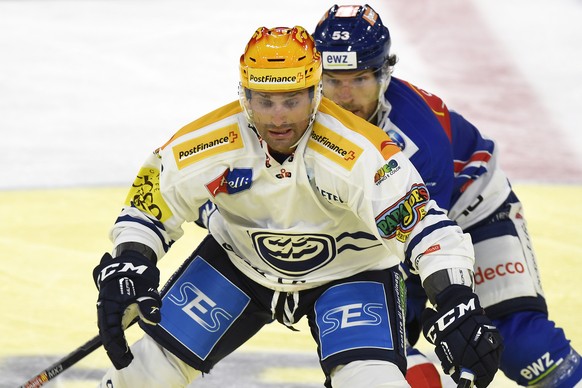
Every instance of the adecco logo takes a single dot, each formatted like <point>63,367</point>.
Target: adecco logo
<point>503,269</point>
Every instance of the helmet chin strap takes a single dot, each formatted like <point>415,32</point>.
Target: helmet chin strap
<point>317,92</point>
<point>369,119</point>
<point>385,81</point>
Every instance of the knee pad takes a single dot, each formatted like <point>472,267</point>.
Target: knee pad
<point>152,367</point>
<point>535,349</point>
<point>366,374</point>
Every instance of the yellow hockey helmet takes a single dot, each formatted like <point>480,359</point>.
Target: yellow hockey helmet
<point>280,59</point>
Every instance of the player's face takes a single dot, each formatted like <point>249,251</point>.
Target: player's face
<point>356,91</point>
<point>281,118</point>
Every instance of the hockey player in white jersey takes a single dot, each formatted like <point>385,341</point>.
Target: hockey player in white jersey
<point>459,166</point>
<point>315,210</point>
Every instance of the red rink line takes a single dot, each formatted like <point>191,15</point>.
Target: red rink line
<point>476,76</point>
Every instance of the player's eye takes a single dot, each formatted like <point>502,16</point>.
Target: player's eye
<point>291,103</point>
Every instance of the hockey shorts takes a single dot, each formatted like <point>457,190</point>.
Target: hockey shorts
<point>209,309</point>
<point>506,273</point>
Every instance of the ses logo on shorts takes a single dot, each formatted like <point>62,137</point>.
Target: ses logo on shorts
<point>353,316</point>
<point>231,181</point>
<point>200,306</point>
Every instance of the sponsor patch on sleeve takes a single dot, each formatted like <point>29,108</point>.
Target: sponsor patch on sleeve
<point>390,168</point>
<point>398,220</point>
<point>213,143</point>
<point>146,196</point>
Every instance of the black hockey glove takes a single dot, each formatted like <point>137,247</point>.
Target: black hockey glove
<point>463,335</point>
<point>127,288</point>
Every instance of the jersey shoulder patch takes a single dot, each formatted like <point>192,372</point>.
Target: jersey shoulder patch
<point>196,147</point>
<point>372,133</point>
<point>334,146</point>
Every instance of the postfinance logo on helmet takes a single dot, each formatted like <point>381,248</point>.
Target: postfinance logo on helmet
<point>276,79</point>
<point>280,59</point>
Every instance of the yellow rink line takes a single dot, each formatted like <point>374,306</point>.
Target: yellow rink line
<point>51,239</point>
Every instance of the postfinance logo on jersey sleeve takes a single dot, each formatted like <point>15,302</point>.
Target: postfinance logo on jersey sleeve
<point>334,147</point>
<point>216,142</point>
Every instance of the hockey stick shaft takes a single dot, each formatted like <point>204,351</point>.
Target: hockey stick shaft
<point>66,362</point>
<point>63,364</point>
<point>466,379</point>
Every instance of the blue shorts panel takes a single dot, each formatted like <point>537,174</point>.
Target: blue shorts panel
<point>361,318</point>
<point>200,307</point>
<point>353,316</point>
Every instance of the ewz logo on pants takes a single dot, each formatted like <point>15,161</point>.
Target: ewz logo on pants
<point>200,306</point>
<point>353,315</point>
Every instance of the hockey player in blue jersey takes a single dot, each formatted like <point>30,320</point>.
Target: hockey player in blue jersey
<point>460,168</point>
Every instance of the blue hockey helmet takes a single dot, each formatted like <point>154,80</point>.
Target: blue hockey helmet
<point>357,33</point>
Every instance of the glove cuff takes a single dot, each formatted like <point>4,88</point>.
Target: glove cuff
<point>134,256</point>
<point>453,295</point>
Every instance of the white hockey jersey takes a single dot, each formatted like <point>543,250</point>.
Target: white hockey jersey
<point>346,201</point>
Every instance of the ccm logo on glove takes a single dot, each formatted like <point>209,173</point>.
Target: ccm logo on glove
<point>449,318</point>
<point>463,336</point>
<point>119,267</point>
